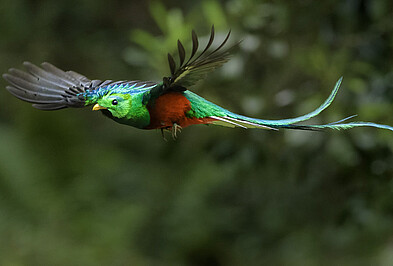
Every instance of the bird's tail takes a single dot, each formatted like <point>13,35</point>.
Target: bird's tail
<point>236,120</point>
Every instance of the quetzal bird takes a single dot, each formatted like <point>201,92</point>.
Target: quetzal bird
<point>166,105</point>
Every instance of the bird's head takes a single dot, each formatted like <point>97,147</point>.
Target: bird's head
<point>118,104</point>
<point>125,108</point>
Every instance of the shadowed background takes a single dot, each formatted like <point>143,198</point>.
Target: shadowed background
<point>78,189</point>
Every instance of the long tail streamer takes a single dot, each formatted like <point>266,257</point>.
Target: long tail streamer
<point>292,122</point>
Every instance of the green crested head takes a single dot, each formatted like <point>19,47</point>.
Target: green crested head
<point>125,108</point>
<point>118,104</point>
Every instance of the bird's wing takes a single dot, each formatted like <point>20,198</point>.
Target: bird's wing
<point>50,88</point>
<point>197,66</point>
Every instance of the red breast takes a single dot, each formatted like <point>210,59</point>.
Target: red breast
<point>171,108</point>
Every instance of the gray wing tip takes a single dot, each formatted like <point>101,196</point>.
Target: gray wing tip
<point>10,88</point>
<point>27,63</point>
<point>45,85</point>
<point>48,107</point>
<point>6,76</point>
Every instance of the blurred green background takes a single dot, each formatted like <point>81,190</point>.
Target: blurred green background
<point>78,189</point>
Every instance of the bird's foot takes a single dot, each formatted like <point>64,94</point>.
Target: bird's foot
<point>175,128</point>
<point>163,135</point>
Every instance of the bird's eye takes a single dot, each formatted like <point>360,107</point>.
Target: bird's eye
<point>114,102</point>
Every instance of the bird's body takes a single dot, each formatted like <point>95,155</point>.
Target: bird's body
<point>176,107</point>
<point>151,105</point>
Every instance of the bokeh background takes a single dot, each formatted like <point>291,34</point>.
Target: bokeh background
<point>78,189</point>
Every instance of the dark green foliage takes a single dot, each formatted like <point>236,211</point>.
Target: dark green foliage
<point>78,189</point>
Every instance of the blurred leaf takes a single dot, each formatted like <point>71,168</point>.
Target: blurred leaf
<point>214,13</point>
<point>159,14</point>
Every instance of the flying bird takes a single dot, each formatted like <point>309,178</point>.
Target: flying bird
<point>165,105</point>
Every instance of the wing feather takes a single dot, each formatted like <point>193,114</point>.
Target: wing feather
<point>196,67</point>
<point>195,44</point>
<point>172,64</point>
<point>48,87</point>
<point>182,52</point>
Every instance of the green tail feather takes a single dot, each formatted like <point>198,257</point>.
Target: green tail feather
<point>337,126</point>
<point>292,122</point>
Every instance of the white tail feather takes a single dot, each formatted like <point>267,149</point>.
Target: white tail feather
<point>227,121</point>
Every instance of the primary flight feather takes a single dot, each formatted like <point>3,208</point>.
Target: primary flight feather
<point>162,105</point>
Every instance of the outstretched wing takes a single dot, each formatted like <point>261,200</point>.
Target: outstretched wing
<point>50,88</point>
<point>196,67</point>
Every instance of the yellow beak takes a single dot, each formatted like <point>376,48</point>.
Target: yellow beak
<point>97,107</point>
